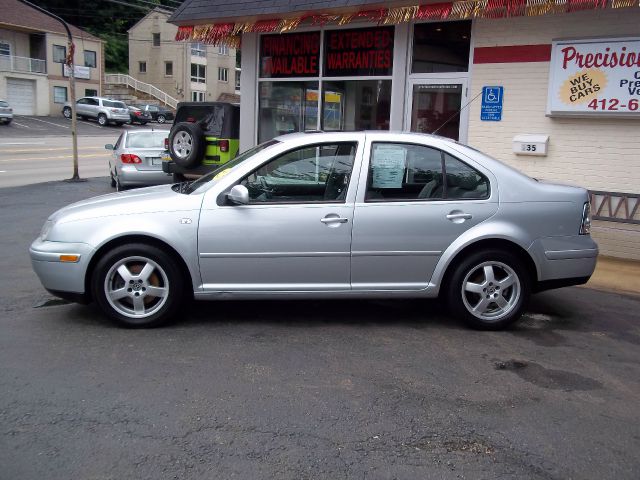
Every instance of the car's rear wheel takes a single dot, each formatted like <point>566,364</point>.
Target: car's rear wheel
<point>489,290</point>
<point>66,111</point>
<point>113,182</point>
<point>186,144</point>
<point>161,119</point>
<point>102,119</point>
<point>138,285</point>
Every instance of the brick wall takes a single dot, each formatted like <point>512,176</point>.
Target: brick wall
<point>599,154</point>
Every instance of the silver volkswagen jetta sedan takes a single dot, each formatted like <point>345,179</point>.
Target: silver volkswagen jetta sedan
<point>326,215</point>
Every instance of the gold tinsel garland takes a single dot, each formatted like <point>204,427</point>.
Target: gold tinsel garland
<point>230,33</point>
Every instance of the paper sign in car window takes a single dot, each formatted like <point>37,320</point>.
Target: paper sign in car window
<point>222,174</point>
<point>388,166</point>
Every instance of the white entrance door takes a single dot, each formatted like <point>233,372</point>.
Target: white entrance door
<point>436,106</point>
<point>21,95</point>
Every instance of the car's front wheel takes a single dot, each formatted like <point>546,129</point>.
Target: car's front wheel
<point>66,111</point>
<point>138,285</point>
<point>161,119</point>
<point>489,290</point>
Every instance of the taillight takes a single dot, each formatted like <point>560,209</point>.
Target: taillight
<point>224,145</point>
<point>585,226</point>
<point>191,119</point>
<point>166,144</point>
<point>137,114</point>
<point>130,158</point>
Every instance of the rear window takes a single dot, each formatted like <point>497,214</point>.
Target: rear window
<point>109,103</point>
<point>146,140</point>
<point>215,116</point>
<point>3,104</point>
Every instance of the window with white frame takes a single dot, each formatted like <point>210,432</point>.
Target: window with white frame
<point>59,54</point>
<point>198,73</point>
<point>90,59</point>
<point>223,74</point>
<point>5,48</point>
<point>198,96</point>
<point>59,94</point>
<point>198,50</point>
<point>223,50</point>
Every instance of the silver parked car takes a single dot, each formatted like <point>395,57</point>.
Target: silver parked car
<point>6,112</point>
<point>319,215</point>
<point>136,158</point>
<point>104,110</point>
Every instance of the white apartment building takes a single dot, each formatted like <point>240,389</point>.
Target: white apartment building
<point>186,71</point>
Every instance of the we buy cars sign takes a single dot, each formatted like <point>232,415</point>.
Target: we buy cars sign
<point>595,77</point>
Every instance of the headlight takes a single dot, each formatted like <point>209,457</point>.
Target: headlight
<point>46,228</point>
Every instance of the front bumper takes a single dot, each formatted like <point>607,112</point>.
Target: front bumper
<point>56,275</point>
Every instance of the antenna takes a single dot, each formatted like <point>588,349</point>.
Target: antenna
<point>456,114</point>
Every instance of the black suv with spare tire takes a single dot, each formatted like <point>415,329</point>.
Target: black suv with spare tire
<point>204,136</point>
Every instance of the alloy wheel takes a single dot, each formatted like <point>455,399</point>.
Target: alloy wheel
<point>136,287</point>
<point>491,290</point>
<point>182,144</point>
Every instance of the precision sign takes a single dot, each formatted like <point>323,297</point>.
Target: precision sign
<point>290,55</point>
<point>595,77</point>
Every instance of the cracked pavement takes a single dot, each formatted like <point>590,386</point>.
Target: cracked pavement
<point>308,390</point>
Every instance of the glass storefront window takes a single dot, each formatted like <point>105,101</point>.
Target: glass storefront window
<point>435,104</point>
<point>286,107</point>
<point>356,105</point>
<point>441,47</point>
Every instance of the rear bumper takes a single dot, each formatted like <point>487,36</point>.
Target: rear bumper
<point>117,117</point>
<point>569,259</point>
<point>129,175</point>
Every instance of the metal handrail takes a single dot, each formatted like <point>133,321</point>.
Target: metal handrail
<point>615,206</point>
<point>13,63</point>
<point>123,79</point>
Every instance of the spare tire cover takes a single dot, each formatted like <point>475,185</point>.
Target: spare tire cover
<point>186,144</point>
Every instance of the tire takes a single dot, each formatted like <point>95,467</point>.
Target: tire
<point>102,119</point>
<point>179,177</point>
<point>143,123</point>
<point>119,124</point>
<point>8,121</point>
<point>66,112</point>
<point>123,279</point>
<point>186,144</point>
<point>489,290</point>
<point>113,182</point>
<point>161,119</point>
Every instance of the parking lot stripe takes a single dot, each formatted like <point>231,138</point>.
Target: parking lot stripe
<point>32,150</point>
<point>47,158</point>
<point>50,123</point>
<point>93,125</point>
<point>16,123</point>
<point>22,143</point>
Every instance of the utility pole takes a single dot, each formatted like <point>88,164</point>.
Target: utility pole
<point>70,64</point>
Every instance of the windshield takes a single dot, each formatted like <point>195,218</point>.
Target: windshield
<point>146,139</point>
<point>193,186</point>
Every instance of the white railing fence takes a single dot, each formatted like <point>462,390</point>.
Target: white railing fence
<point>11,63</point>
<point>123,79</point>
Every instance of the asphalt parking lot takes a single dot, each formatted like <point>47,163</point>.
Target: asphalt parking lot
<point>306,390</point>
<point>32,126</point>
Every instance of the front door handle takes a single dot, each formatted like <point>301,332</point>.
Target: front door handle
<point>328,220</point>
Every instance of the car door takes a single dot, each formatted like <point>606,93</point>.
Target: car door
<point>81,107</point>
<point>414,200</point>
<point>295,232</point>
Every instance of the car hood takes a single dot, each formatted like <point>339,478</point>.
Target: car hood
<point>142,200</point>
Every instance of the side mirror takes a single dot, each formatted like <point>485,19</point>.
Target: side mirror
<point>239,195</point>
<point>108,146</point>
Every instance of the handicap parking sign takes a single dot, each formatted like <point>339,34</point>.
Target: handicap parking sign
<point>491,109</point>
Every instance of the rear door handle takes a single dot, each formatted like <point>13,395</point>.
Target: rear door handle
<point>459,216</point>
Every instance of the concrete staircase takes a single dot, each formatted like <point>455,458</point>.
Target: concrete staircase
<point>129,90</point>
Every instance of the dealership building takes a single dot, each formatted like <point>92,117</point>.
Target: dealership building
<point>551,87</point>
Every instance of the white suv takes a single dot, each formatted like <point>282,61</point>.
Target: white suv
<point>104,110</point>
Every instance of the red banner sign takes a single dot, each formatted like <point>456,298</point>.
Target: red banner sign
<point>290,55</point>
<point>358,52</point>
